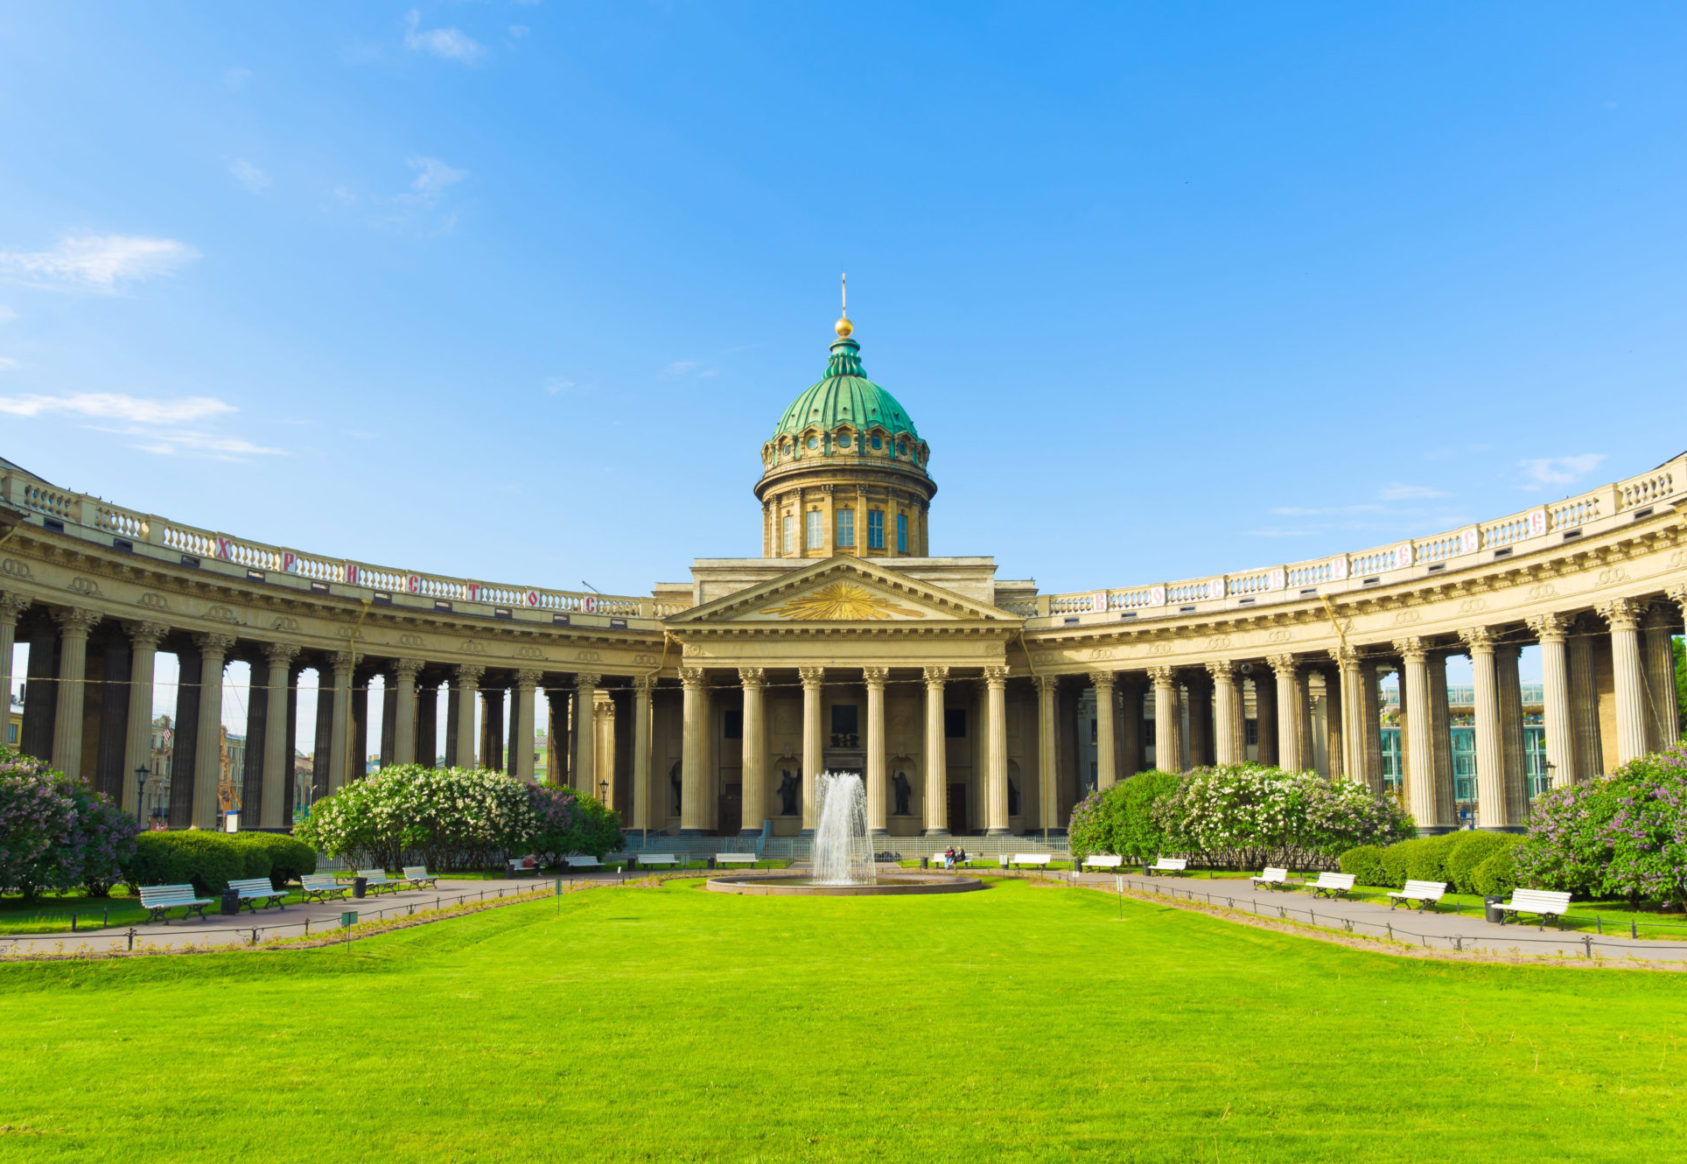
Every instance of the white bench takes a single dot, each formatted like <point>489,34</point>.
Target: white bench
<point>1170,865</point>
<point>258,889</point>
<point>1543,902</point>
<point>375,880</point>
<point>646,860</point>
<point>516,866</point>
<point>159,898</point>
<point>322,887</point>
<point>1426,893</point>
<point>1272,878</point>
<point>583,863</point>
<point>1104,861</point>
<point>418,876</point>
<point>1041,859</point>
<point>735,859</point>
<point>1331,885</point>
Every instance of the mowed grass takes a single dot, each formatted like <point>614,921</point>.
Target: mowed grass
<point>1026,1022</point>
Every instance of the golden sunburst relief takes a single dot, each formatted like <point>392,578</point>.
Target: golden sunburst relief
<point>840,602</point>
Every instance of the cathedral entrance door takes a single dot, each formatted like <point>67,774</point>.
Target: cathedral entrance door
<point>731,810</point>
<point>958,808</point>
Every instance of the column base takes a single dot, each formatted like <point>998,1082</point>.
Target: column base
<point>998,832</point>
<point>936,833</point>
<point>880,832</point>
<point>749,832</point>
<point>1501,829</point>
<point>1435,830</point>
<point>684,832</point>
<point>807,833</point>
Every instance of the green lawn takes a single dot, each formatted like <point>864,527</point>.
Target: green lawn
<point>1025,1022</point>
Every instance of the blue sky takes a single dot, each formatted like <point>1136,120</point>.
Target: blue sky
<point>517,290</point>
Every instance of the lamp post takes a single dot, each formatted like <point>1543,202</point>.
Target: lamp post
<point>603,792</point>
<point>141,774</point>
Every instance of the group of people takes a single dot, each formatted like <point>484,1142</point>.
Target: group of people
<point>953,856</point>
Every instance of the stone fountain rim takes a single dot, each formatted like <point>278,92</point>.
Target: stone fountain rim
<point>766,883</point>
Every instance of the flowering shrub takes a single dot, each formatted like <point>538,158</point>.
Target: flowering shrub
<point>1121,820</point>
<point>1569,841</point>
<point>56,833</point>
<point>1245,816</point>
<point>454,818</point>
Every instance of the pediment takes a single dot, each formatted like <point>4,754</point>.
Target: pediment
<point>844,590</point>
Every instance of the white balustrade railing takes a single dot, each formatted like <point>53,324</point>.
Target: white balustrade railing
<point>1645,490</point>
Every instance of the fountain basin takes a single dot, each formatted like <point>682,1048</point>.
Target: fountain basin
<point>896,884</point>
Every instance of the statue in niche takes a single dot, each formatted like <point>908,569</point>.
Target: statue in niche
<point>903,791</point>
<point>1013,798</point>
<point>679,788</point>
<point>789,789</point>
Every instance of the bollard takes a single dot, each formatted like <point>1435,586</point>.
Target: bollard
<point>1598,925</point>
<point>307,927</point>
<point>254,935</point>
<point>131,939</point>
<point>105,917</point>
<point>1391,931</point>
<point>73,923</point>
<point>1587,943</point>
<point>1633,930</point>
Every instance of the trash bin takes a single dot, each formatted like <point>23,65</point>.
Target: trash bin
<point>231,903</point>
<point>711,862</point>
<point>359,886</point>
<point>1491,909</point>
<point>925,863</point>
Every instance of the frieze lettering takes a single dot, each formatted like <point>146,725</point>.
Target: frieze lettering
<point>1473,606</point>
<point>1407,618</point>
<point>86,587</point>
<point>154,601</point>
<point>1613,575</point>
<point>408,640</point>
<point>529,653</point>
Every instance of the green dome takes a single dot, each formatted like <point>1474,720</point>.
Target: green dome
<point>845,397</point>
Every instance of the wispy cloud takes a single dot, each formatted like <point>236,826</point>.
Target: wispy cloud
<point>6,315</point>
<point>448,44</point>
<point>1399,492</point>
<point>433,178</point>
<point>1383,517</point>
<point>97,262</point>
<point>7,363</point>
<point>248,175</point>
<point>187,442</point>
<point>114,406</point>
<point>235,78</point>
<point>1547,472</point>
<point>689,368</point>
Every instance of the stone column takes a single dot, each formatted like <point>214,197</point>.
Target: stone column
<point>1265,711</point>
<point>1230,741</point>
<point>464,688</point>
<point>1129,727</point>
<point>278,745</point>
<point>144,638</point>
<point>424,741</point>
<point>1663,721</point>
<point>875,679</point>
<point>521,738</point>
<point>996,751</point>
<point>936,755</point>
<point>1335,711</point>
<point>492,729</point>
<point>1348,739</point>
<point>1552,631</point>
<point>1441,739</point>
<point>1106,745</point>
<point>1168,721</point>
<point>1197,743</point>
<point>340,732</point>
<point>813,743</point>
<point>1289,755</point>
<point>1369,713</point>
<point>1512,746</point>
<point>12,605</point>
<point>1490,755</point>
<point>208,752</point>
<point>74,626</point>
<point>1419,752</point>
<point>643,686</point>
<point>753,789</point>
<point>1584,708</point>
<point>403,726</point>
<point>1624,616</point>
<point>1048,753</point>
<point>694,751</point>
<point>585,733</point>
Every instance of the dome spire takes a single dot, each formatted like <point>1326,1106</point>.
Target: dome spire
<point>843,327</point>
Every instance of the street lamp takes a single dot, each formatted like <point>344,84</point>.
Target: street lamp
<point>141,774</point>
<point>603,791</point>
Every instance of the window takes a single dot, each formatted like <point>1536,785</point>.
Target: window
<point>1392,768</point>
<point>846,527</point>
<point>878,442</point>
<point>1534,760</point>
<point>1250,729</point>
<point>813,529</point>
<point>1464,762</point>
<point>902,533</point>
<point>790,534</point>
<point>846,725</point>
<point>875,529</point>
<point>843,440</point>
<point>955,723</point>
<point>732,723</point>
<point>813,442</point>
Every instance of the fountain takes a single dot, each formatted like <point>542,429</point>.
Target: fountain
<point>842,860</point>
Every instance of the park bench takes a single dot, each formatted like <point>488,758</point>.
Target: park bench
<point>1426,893</point>
<point>518,866</point>
<point>375,880</point>
<point>1104,861</point>
<point>1272,878</point>
<point>1041,859</point>
<point>581,864</point>
<point>322,887</point>
<point>736,859</point>
<point>1331,885</point>
<point>159,898</point>
<point>1545,903</point>
<point>646,860</point>
<point>418,876</point>
<point>253,889</point>
<point>1179,865</point>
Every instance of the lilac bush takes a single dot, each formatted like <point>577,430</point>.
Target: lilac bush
<point>56,833</point>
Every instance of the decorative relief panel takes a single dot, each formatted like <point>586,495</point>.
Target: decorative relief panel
<point>529,652</point>
<point>86,587</point>
<point>154,601</point>
<point>410,640</point>
<point>841,602</point>
<point>13,568</point>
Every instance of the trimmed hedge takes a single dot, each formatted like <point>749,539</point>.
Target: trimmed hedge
<point>1365,863</point>
<point>208,860</point>
<point>1469,852</point>
<point>1496,876</point>
<point>1456,858</point>
<point>289,858</point>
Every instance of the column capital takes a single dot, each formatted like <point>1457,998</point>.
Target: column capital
<point>146,634</point>
<point>1284,665</point>
<point>1047,683</point>
<point>812,676</point>
<point>752,677</point>
<point>1479,639</point>
<point>1677,595</point>
<point>1344,656</point>
<point>526,680</point>
<point>406,670</point>
<point>1658,616</point>
<point>1621,613</point>
<point>645,682</point>
<point>1100,679</point>
<point>1549,628</point>
<point>280,654</point>
<point>936,676</point>
<point>995,676</point>
<point>1162,675</point>
<point>74,621</point>
<point>212,643</point>
<point>875,676</point>
<point>692,676</point>
<point>342,662</point>
<point>586,681</point>
<point>468,674</point>
<point>1412,649</point>
<point>1221,668</point>
<point>12,605</point>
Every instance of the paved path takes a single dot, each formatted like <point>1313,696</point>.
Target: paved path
<point>1436,931</point>
<point>294,921</point>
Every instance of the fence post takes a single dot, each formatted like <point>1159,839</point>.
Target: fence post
<point>131,939</point>
<point>1587,944</point>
